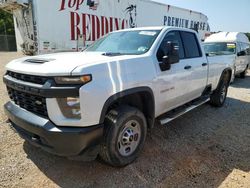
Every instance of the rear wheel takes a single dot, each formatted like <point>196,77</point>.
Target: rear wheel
<point>124,136</point>
<point>220,94</point>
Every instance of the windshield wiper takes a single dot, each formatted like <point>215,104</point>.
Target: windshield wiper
<point>112,54</point>
<point>118,53</point>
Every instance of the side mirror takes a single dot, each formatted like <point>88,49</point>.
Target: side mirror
<point>241,53</point>
<point>171,56</point>
<point>165,65</point>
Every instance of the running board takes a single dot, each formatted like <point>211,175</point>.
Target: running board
<point>186,108</point>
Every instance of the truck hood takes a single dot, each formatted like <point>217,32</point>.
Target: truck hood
<point>59,64</point>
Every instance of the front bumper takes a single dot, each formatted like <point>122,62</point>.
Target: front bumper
<point>62,141</point>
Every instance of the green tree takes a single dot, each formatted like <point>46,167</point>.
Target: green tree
<point>6,23</point>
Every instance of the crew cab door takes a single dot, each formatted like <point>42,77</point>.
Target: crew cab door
<point>185,80</point>
<point>196,62</point>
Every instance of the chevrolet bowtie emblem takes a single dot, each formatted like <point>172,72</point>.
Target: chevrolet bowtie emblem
<point>38,102</point>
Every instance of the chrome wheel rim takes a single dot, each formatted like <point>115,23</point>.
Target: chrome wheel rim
<point>223,94</point>
<point>129,138</point>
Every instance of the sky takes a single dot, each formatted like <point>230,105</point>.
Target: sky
<point>223,15</point>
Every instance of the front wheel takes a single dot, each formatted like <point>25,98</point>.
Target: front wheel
<point>124,136</point>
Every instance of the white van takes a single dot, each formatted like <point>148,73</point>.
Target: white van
<point>233,47</point>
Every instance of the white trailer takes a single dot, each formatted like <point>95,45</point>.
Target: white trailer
<point>45,26</point>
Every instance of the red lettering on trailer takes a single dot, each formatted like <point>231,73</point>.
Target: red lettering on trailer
<point>93,27</point>
<point>62,5</point>
<point>75,21</point>
<point>117,24</point>
<point>78,3</point>
<point>111,24</point>
<point>71,4</point>
<point>86,27</point>
<point>98,28</point>
<point>105,26</point>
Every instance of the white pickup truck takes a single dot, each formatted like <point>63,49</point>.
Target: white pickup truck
<point>104,100</point>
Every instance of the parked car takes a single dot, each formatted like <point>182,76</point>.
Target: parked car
<point>232,47</point>
<point>105,99</point>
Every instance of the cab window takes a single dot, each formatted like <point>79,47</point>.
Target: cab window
<point>244,49</point>
<point>191,45</point>
<point>173,37</point>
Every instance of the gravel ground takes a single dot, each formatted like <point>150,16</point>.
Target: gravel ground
<point>208,147</point>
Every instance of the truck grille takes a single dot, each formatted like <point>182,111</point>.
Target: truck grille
<point>28,78</point>
<point>32,103</point>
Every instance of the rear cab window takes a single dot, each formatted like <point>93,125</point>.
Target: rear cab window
<point>191,45</point>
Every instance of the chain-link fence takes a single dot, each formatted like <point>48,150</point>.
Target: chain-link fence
<point>8,43</point>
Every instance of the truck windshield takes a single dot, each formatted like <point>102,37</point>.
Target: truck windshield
<point>125,42</point>
<point>220,48</point>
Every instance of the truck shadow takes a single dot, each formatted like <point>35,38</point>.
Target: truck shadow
<point>242,83</point>
<point>199,149</point>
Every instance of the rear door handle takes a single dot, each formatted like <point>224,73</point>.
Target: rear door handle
<point>187,67</point>
<point>204,64</point>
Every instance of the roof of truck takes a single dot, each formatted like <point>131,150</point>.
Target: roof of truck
<point>153,28</point>
<point>228,37</point>
<point>142,28</point>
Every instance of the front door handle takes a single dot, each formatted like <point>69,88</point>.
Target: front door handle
<point>187,67</point>
<point>204,64</point>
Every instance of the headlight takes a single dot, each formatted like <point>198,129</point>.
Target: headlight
<point>73,79</point>
<point>70,107</point>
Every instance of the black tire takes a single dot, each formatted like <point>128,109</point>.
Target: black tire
<point>118,125</point>
<point>219,96</point>
<point>243,74</point>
